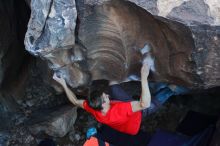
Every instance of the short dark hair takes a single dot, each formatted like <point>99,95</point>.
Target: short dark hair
<point>95,100</point>
<point>97,88</point>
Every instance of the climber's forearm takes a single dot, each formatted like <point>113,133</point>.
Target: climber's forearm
<point>145,94</point>
<point>72,97</point>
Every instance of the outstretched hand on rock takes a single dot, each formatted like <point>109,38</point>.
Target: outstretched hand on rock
<point>59,79</point>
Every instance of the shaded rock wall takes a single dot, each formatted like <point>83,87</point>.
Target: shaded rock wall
<point>206,54</point>
<point>14,16</point>
<point>13,20</point>
<point>56,123</point>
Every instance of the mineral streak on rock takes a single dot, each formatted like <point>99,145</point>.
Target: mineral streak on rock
<point>116,33</point>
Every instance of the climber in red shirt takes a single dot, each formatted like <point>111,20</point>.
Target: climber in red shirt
<point>119,115</point>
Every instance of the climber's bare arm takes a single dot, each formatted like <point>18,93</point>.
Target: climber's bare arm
<point>145,100</point>
<point>71,96</point>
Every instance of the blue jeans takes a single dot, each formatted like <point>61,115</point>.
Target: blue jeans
<point>160,91</point>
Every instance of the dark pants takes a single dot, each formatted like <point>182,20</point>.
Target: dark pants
<point>159,91</point>
<point>117,138</point>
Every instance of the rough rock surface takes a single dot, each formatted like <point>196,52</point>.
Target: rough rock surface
<point>114,35</point>
<point>56,123</point>
<point>51,25</point>
<point>206,54</point>
<point>51,35</point>
<point>4,136</point>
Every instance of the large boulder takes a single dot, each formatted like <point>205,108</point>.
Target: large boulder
<point>119,36</point>
<point>55,123</point>
<point>51,35</point>
<point>114,37</point>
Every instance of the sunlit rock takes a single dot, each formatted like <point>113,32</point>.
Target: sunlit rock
<point>189,12</point>
<point>51,25</point>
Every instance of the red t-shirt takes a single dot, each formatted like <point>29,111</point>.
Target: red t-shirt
<point>119,117</point>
